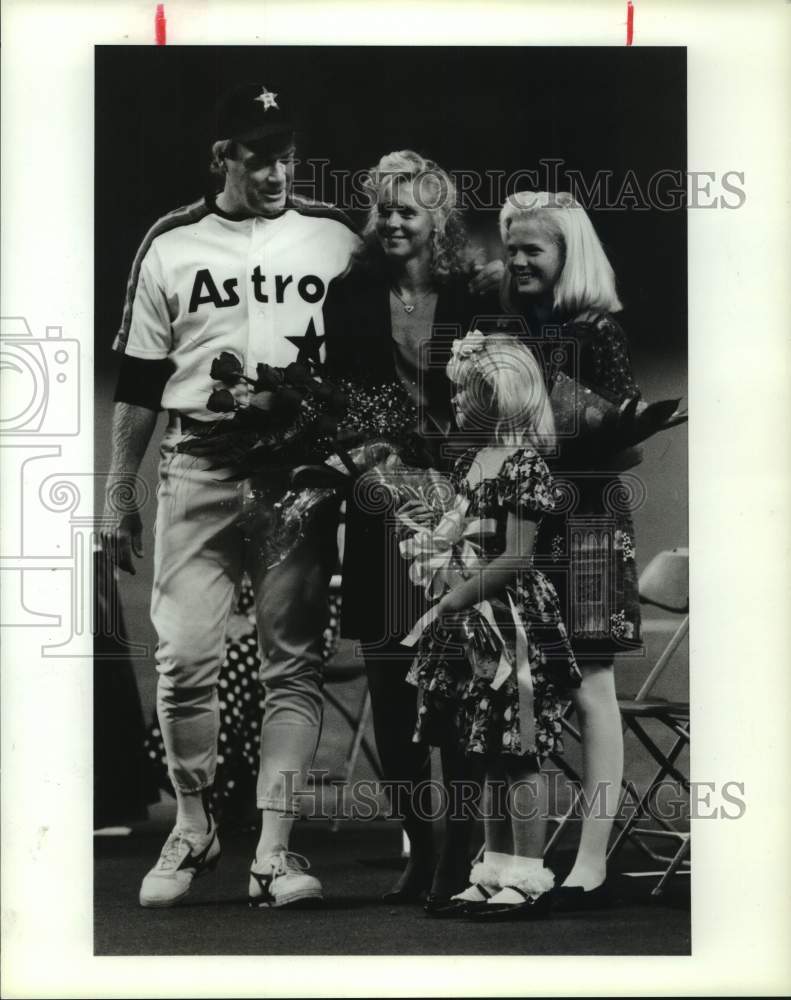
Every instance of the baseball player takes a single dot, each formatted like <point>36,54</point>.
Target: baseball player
<point>244,271</point>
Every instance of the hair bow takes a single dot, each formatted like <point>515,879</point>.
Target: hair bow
<point>473,343</point>
<point>462,350</point>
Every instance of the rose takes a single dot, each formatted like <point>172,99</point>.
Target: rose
<point>227,368</point>
<point>287,402</point>
<point>297,375</point>
<point>221,401</point>
<point>269,378</point>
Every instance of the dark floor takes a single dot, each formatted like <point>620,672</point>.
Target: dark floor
<point>356,865</point>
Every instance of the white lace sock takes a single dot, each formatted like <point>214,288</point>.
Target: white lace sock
<point>487,873</point>
<point>498,861</point>
<point>527,874</point>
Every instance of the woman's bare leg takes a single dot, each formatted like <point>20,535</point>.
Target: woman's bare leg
<point>602,763</point>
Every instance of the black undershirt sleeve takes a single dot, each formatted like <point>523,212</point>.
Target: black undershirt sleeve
<point>141,381</point>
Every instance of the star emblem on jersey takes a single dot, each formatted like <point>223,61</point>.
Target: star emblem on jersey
<point>308,346</point>
<point>267,99</point>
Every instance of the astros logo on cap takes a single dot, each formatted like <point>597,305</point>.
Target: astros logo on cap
<point>267,99</point>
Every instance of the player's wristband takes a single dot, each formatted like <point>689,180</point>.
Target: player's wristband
<point>141,381</point>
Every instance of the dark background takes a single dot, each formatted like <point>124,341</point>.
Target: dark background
<point>469,108</point>
<point>485,108</point>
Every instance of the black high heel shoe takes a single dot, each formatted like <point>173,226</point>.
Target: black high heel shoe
<point>405,894</point>
<point>573,898</point>
<point>412,887</point>
<point>436,904</point>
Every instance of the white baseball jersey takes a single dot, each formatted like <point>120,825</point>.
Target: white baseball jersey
<point>203,283</point>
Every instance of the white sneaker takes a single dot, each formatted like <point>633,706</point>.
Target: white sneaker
<point>185,856</point>
<point>280,880</point>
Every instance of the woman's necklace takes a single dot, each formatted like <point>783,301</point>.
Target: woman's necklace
<point>409,307</point>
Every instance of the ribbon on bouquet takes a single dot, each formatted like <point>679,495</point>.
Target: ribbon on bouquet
<point>433,553</point>
<point>520,666</point>
<point>524,682</point>
<point>447,554</point>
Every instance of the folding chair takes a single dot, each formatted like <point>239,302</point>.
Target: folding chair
<point>665,584</point>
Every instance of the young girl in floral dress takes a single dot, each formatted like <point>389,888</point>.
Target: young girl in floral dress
<point>502,708</point>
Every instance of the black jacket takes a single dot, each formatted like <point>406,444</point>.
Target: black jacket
<point>379,602</point>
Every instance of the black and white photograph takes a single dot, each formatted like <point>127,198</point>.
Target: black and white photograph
<point>391,388</point>
<point>395,483</point>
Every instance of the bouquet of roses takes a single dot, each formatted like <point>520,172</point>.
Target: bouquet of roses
<point>595,429</point>
<point>374,440</point>
<point>279,413</point>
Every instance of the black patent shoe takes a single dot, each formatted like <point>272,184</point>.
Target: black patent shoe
<point>573,898</point>
<point>404,894</point>
<point>442,906</point>
<point>411,888</point>
<point>533,908</point>
<point>436,904</point>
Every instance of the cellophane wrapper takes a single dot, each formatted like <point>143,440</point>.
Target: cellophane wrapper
<point>277,525</point>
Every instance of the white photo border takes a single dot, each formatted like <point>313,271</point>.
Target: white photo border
<point>739,81</point>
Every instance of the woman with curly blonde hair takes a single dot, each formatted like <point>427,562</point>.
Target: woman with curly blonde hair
<point>391,321</point>
<point>407,181</point>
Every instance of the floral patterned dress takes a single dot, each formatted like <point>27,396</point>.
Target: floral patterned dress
<point>587,545</point>
<point>454,700</point>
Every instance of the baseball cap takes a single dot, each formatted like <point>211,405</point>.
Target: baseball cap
<point>252,112</point>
